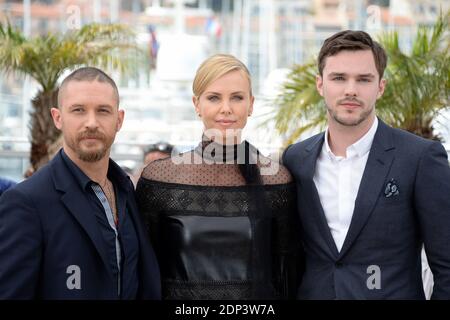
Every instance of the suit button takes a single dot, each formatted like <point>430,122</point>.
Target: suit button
<point>338,264</point>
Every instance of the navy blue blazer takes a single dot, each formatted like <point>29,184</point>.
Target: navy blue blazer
<point>46,227</point>
<point>391,221</point>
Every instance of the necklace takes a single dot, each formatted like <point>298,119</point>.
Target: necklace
<point>108,190</point>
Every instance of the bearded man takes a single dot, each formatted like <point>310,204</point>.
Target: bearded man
<point>72,230</point>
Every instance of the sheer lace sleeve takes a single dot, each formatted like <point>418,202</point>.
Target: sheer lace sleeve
<point>274,172</point>
<point>286,245</point>
<point>159,170</point>
<point>148,199</point>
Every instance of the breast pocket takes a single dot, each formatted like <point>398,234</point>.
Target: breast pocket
<point>393,220</point>
<point>393,201</point>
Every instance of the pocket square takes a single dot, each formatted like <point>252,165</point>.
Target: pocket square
<point>391,189</point>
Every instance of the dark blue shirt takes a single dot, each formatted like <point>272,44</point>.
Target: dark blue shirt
<point>125,271</point>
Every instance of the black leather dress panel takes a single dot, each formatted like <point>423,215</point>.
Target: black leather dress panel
<point>206,248</point>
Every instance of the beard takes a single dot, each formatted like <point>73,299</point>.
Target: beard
<point>352,121</point>
<point>89,155</point>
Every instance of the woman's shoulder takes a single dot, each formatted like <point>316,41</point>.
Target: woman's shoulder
<point>174,169</point>
<point>273,172</point>
<point>160,170</point>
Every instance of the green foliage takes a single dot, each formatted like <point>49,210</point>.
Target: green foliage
<point>418,83</point>
<point>300,107</point>
<point>45,58</point>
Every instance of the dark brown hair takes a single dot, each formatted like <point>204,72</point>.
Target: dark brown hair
<point>88,74</point>
<point>353,41</point>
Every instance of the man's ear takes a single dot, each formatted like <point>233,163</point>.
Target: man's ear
<point>121,116</point>
<point>319,84</point>
<point>56,116</point>
<point>381,88</point>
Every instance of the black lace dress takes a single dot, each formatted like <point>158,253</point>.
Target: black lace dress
<point>216,236</point>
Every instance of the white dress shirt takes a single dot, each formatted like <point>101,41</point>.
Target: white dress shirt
<point>427,276</point>
<point>337,180</point>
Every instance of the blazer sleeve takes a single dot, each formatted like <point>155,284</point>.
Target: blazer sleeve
<point>20,246</point>
<point>284,160</point>
<point>432,203</point>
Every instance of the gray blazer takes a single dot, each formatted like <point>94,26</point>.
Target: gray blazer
<point>403,202</point>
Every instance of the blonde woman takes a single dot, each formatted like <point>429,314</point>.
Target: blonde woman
<point>222,227</point>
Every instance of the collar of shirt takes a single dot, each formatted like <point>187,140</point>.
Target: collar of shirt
<point>358,149</point>
<point>115,174</point>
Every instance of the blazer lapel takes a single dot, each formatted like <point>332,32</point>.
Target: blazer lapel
<point>308,164</point>
<point>377,167</point>
<point>77,203</point>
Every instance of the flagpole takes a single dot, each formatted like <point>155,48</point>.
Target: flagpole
<point>179,17</point>
<point>237,24</point>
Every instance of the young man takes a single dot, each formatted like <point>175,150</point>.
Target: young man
<point>72,230</point>
<point>369,195</point>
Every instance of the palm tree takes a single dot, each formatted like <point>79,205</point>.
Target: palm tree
<point>300,107</point>
<point>45,58</point>
<point>417,90</point>
<point>418,84</point>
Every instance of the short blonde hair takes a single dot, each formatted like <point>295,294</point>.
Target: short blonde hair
<point>215,67</point>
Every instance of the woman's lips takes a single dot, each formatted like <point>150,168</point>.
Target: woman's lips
<point>225,122</point>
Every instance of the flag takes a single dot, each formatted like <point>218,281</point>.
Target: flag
<point>153,45</point>
<point>213,27</point>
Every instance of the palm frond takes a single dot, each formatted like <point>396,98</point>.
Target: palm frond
<point>45,58</point>
<point>11,50</point>
<point>299,102</point>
